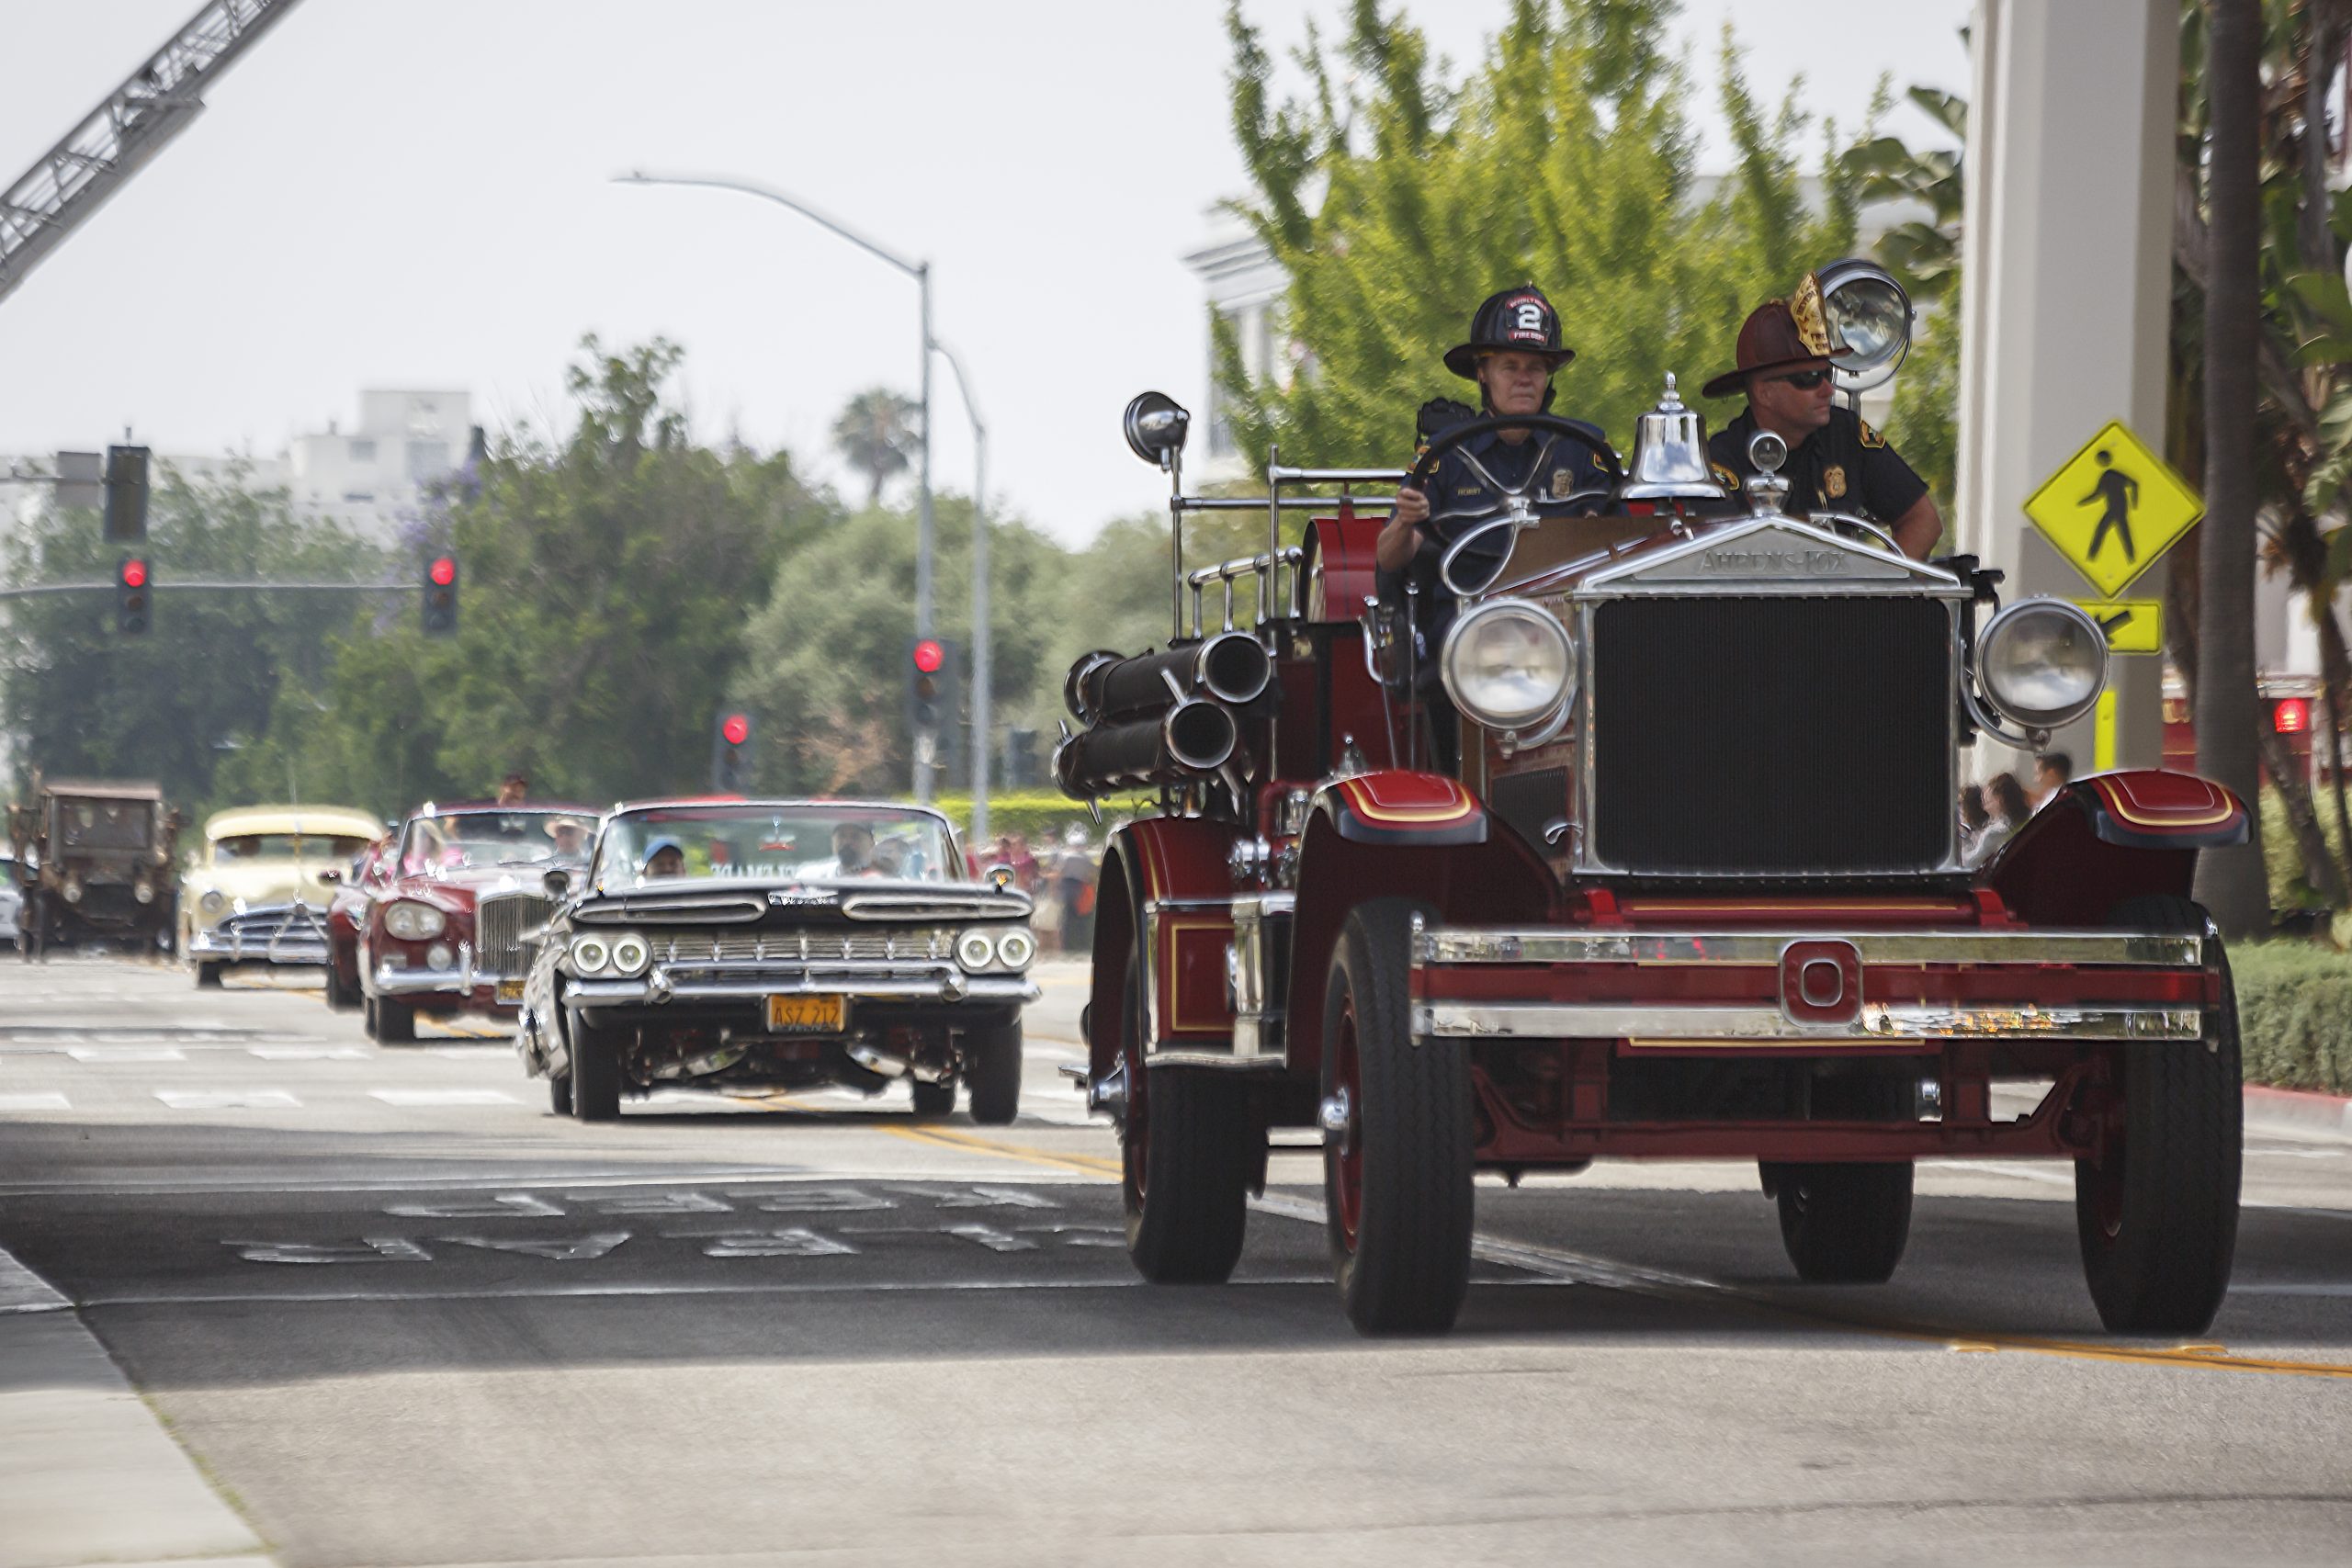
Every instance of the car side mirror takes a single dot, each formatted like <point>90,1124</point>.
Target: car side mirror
<point>998,877</point>
<point>557,882</point>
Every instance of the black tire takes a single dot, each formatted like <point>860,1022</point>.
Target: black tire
<point>1845,1224</point>
<point>1397,1174</point>
<point>1187,1161</point>
<point>207,976</point>
<point>596,1081</point>
<point>340,997</point>
<point>934,1100</point>
<point>390,1022</point>
<point>560,1093</point>
<point>2157,1215</point>
<point>992,1073</point>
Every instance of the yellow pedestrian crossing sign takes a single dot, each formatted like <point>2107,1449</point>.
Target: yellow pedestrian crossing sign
<point>2113,509</point>
<point>2132,626</point>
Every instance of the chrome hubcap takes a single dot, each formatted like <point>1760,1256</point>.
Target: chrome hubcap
<point>1336,1117</point>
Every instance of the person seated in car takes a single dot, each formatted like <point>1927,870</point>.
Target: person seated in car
<point>1513,350</point>
<point>852,851</point>
<point>663,857</point>
<point>571,835</point>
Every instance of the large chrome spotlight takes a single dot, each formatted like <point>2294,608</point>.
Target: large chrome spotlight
<point>1869,316</point>
<point>2042,662</point>
<point>1508,664</point>
<point>1156,425</point>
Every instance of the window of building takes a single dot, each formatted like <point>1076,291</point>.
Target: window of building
<point>363,449</point>
<point>366,496</point>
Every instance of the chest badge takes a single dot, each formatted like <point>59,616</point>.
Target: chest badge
<point>1562,483</point>
<point>1833,480</point>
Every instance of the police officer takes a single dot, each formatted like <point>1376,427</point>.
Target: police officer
<point>1513,350</point>
<point>1836,462</point>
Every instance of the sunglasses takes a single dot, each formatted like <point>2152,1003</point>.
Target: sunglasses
<point>1804,380</point>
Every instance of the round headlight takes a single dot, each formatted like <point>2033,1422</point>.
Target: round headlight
<point>73,889</point>
<point>588,954</point>
<point>212,903</point>
<point>438,956</point>
<point>144,890</point>
<point>974,949</point>
<point>630,954</point>
<point>1016,948</point>
<point>2042,662</point>
<point>413,921</point>
<point>1508,664</point>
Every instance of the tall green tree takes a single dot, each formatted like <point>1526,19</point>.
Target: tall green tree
<point>1396,202</point>
<point>877,434</point>
<point>180,701</point>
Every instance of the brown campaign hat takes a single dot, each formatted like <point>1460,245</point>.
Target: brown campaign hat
<point>1773,338</point>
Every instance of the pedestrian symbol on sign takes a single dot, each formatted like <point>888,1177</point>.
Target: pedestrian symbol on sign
<point>2120,491</point>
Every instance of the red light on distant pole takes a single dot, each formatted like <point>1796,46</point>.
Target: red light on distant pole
<point>930,656</point>
<point>134,574</point>
<point>2291,716</point>
<point>737,729</point>
<point>444,571</point>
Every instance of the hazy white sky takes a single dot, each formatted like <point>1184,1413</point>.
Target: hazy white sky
<point>413,193</point>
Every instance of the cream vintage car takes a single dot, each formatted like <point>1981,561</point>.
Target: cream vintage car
<point>252,892</point>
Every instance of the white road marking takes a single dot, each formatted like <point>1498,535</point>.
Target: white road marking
<point>794,1242</point>
<point>228,1099</point>
<point>989,1197</point>
<point>427,1097</point>
<point>817,1200</point>
<point>497,1180</point>
<point>2289,1288</point>
<point>21,1289</point>
<point>506,1205</point>
<point>658,1203</point>
<point>742,1288</point>
<point>110,1054</point>
<point>35,1101</point>
<point>372,1250</point>
<point>309,1052</point>
<point>559,1249</point>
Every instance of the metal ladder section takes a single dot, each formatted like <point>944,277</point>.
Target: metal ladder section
<point>158,101</point>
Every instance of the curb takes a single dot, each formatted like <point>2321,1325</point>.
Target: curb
<point>2297,1110</point>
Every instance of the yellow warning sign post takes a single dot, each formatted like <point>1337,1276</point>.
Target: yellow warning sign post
<point>2113,508</point>
<point>2132,626</point>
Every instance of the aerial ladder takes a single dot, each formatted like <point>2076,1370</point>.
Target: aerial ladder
<point>137,120</point>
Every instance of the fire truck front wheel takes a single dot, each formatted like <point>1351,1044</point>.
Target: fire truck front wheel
<point>1397,1138</point>
<point>2157,1211</point>
<point>1187,1161</point>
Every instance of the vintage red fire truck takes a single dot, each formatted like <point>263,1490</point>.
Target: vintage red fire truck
<point>1694,890</point>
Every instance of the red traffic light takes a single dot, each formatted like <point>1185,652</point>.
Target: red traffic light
<point>2291,716</point>
<point>134,573</point>
<point>930,656</point>
<point>442,571</point>
<point>737,729</point>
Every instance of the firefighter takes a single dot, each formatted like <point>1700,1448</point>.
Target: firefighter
<point>1836,461</point>
<point>1513,351</point>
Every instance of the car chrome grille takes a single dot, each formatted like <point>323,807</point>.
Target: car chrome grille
<point>1783,736</point>
<point>912,944</point>
<point>500,921</point>
<point>293,923</point>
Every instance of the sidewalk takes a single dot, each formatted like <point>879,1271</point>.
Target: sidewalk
<point>88,1473</point>
<point>2297,1110</point>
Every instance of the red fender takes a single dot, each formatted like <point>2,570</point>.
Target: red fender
<point>1470,876</point>
<point>2111,837</point>
<point>1397,807</point>
<point>1166,881</point>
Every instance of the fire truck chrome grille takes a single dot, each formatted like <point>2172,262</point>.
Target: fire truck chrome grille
<point>1783,735</point>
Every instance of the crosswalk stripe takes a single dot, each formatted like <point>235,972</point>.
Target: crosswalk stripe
<point>35,1101</point>
<point>423,1096</point>
<point>228,1099</point>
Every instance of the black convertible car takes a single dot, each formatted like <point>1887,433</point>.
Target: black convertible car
<point>779,945</point>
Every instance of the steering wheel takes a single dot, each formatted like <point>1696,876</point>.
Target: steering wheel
<point>1847,523</point>
<point>1518,505</point>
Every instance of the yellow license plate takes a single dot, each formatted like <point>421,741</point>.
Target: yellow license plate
<point>508,991</point>
<point>806,1015</point>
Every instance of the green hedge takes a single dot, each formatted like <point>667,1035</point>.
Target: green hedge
<point>2295,1014</point>
<point>1044,814</point>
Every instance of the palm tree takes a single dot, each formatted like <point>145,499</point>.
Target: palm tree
<point>877,434</point>
<point>2231,882</point>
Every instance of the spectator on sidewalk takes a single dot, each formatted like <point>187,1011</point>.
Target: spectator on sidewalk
<point>1972,817</point>
<point>2006,809</point>
<point>1074,888</point>
<point>2051,772</point>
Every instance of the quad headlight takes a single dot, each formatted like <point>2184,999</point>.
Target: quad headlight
<point>631,954</point>
<point>591,954</point>
<point>2042,662</point>
<point>1001,947</point>
<point>1016,948</point>
<point>1508,664</point>
<point>975,949</point>
<point>413,921</point>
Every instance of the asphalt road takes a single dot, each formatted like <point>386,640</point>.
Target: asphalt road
<point>399,1314</point>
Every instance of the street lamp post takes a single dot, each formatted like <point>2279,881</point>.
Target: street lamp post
<point>920,272</point>
<point>980,601</point>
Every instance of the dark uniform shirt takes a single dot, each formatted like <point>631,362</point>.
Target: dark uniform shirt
<point>1467,489</point>
<point>1845,466</point>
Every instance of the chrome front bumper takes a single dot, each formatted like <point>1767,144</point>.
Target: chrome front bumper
<point>1879,988</point>
<point>729,983</point>
<point>458,980</point>
<point>219,944</point>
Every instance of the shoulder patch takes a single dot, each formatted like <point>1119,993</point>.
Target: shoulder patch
<point>1869,437</point>
<point>1723,476</point>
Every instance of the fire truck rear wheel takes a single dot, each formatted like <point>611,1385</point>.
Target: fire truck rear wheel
<point>1398,1152</point>
<point>1186,1161</point>
<point>2157,1214</point>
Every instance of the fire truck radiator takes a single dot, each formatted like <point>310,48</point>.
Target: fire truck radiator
<point>1779,737</point>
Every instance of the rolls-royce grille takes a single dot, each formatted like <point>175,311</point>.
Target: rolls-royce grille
<point>1772,736</point>
<point>500,921</point>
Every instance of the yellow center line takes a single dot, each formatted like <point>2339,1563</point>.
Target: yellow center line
<point>1088,1164</point>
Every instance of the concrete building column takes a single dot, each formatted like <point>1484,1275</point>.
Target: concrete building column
<point>2066,295</point>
